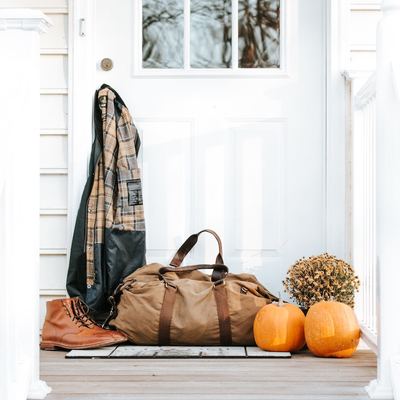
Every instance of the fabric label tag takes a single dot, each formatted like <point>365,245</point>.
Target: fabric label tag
<point>135,197</point>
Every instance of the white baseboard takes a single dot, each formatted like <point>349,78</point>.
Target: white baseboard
<point>378,391</point>
<point>395,376</point>
<point>38,390</point>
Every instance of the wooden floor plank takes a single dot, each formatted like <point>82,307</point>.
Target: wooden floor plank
<point>299,378</point>
<point>167,396</point>
<point>205,387</point>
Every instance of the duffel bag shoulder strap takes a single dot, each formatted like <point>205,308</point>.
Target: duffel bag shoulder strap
<point>221,268</point>
<point>189,243</point>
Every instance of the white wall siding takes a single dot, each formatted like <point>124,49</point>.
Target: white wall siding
<point>54,153</point>
<point>364,16</point>
<point>53,147</point>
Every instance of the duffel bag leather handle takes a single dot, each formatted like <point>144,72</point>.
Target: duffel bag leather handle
<point>219,270</point>
<point>190,242</point>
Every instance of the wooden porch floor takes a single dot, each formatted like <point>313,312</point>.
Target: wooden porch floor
<point>302,377</point>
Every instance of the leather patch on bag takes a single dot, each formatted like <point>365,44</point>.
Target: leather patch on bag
<point>135,197</point>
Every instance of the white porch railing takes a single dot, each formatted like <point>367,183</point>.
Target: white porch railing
<point>364,207</point>
<point>19,203</point>
<point>377,185</point>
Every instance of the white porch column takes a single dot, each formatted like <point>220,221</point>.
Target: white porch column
<point>388,199</point>
<point>19,203</point>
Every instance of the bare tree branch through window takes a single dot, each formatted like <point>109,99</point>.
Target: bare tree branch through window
<point>162,34</point>
<point>259,33</point>
<point>210,33</point>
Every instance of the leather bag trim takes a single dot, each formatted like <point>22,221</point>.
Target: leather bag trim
<point>224,320</point>
<point>164,329</point>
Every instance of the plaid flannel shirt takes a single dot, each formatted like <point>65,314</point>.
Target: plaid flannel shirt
<point>115,200</point>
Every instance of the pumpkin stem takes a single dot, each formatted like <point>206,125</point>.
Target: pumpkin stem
<point>280,301</point>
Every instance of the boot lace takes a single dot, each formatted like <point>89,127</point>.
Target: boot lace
<point>80,313</point>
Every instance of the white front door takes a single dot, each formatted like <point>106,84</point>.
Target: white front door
<point>229,101</point>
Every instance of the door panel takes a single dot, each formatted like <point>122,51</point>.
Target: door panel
<point>243,156</point>
<point>167,170</point>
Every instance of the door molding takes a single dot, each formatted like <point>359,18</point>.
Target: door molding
<point>81,84</point>
<point>337,171</point>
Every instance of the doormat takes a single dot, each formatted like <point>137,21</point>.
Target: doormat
<point>176,352</point>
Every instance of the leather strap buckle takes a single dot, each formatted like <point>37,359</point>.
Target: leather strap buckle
<point>219,282</point>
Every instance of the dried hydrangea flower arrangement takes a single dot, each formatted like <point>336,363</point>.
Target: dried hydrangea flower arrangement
<point>322,277</point>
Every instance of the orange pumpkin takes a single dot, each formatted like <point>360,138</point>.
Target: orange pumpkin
<point>279,327</point>
<point>331,330</point>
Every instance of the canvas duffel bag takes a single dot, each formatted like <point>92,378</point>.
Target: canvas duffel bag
<point>178,305</point>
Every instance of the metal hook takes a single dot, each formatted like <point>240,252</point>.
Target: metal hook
<point>82,26</point>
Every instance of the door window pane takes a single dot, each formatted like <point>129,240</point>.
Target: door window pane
<point>210,24</point>
<point>259,34</point>
<point>210,33</point>
<point>162,30</point>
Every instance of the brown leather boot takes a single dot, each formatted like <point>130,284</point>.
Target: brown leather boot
<point>69,326</point>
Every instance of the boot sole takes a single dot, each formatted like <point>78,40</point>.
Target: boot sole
<point>59,346</point>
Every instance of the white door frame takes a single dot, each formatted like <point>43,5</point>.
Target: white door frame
<point>82,68</point>
<point>338,205</point>
<point>81,71</point>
